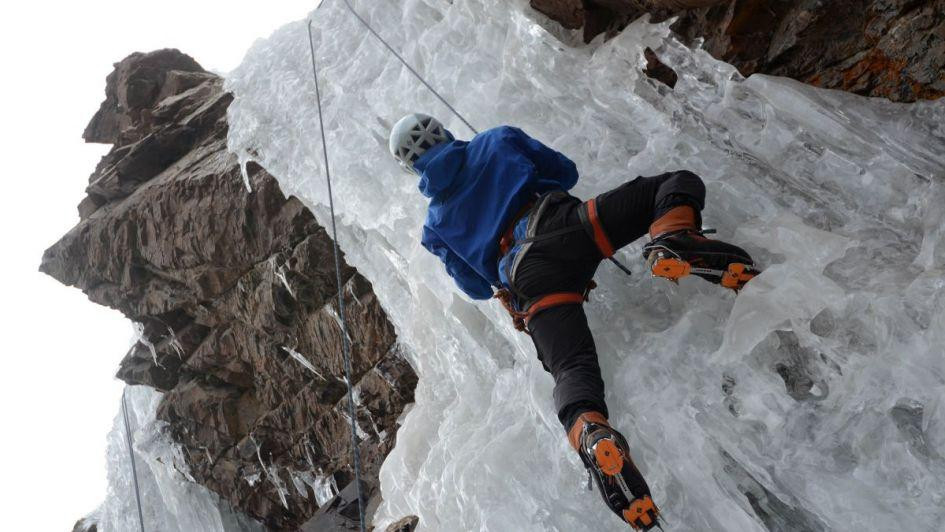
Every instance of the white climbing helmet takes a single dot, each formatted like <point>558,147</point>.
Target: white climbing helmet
<point>413,135</point>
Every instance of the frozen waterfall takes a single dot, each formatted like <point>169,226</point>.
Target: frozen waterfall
<point>813,401</point>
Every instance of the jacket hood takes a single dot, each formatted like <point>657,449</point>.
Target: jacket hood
<point>440,167</point>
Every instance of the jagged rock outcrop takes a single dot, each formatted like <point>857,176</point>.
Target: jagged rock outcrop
<point>234,291</point>
<point>608,16</point>
<point>85,525</point>
<point>136,84</point>
<point>889,48</point>
<point>407,524</point>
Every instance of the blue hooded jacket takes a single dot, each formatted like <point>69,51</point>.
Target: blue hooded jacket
<point>475,188</point>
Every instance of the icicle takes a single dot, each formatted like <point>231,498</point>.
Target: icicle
<point>330,309</point>
<point>302,360</point>
<point>245,159</point>
<point>272,474</point>
<point>175,343</point>
<point>141,338</point>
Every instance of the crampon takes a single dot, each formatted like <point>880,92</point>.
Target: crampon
<point>687,252</point>
<point>605,453</point>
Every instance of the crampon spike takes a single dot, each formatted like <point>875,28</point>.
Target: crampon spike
<point>736,276</point>
<point>642,514</point>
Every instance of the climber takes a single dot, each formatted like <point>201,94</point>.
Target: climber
<point>501,221</point>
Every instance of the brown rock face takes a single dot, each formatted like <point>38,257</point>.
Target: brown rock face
<point>594,16</point>
<point>137,82</point>
<point>407,524</point>
<point>658,70</point>
<point>570,13</point>
<point>235,294</point>
<point>889,48</point>
<point>609,16</point>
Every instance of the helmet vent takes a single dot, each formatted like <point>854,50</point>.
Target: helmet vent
<point>413,135</point>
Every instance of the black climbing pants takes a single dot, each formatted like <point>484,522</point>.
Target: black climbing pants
<point>568,262</point>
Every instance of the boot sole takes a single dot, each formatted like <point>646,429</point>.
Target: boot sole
<point>642,514</point>
<point>674,269</point>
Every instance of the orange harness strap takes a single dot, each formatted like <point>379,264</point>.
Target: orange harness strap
<point>520,319</point>
<point>600,237</point>
<point>555,299</point>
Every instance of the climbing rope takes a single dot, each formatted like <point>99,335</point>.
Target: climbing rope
<point>346,348</point>
<point>410,68</point>
<point>131,454</point>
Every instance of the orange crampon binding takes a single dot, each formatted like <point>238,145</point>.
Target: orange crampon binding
<point>678,248</point>
<point>673,268</point>
<point>642,514</point>
<point>737,275</point>
<point>605,453</point>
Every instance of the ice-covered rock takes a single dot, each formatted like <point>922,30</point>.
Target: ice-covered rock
<point>170,500</point>
<point>234,296</point>
<point>813,401</point>
<point>889,48</point>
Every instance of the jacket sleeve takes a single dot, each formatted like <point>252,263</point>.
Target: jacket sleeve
<point>551,165</point>
<point>470,282</point>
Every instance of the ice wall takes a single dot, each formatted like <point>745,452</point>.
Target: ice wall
<point>170,500</point>
<point>813,401</point>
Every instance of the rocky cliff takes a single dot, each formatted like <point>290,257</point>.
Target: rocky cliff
<point>234,291</point>
<point>889,48</point>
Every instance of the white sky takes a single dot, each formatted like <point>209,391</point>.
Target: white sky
<point>58,393</point>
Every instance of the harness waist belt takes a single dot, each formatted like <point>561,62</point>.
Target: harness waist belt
<point>522,313</point>
<point>555,299</point>
<point>520,319</point>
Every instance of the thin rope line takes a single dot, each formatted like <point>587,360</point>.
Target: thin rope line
<point>131,454</point>
<point>346,348</point>
<point>410,68</point>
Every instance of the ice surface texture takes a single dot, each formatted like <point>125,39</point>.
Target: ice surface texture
<point>813,401</point>
<point>170,500</point>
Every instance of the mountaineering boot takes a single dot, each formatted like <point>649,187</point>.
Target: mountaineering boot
<point>678,248</point>
<point>606,456</point>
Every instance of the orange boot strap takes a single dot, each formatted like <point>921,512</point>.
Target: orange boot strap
<point>574,435</point>
<point>682,217</point>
